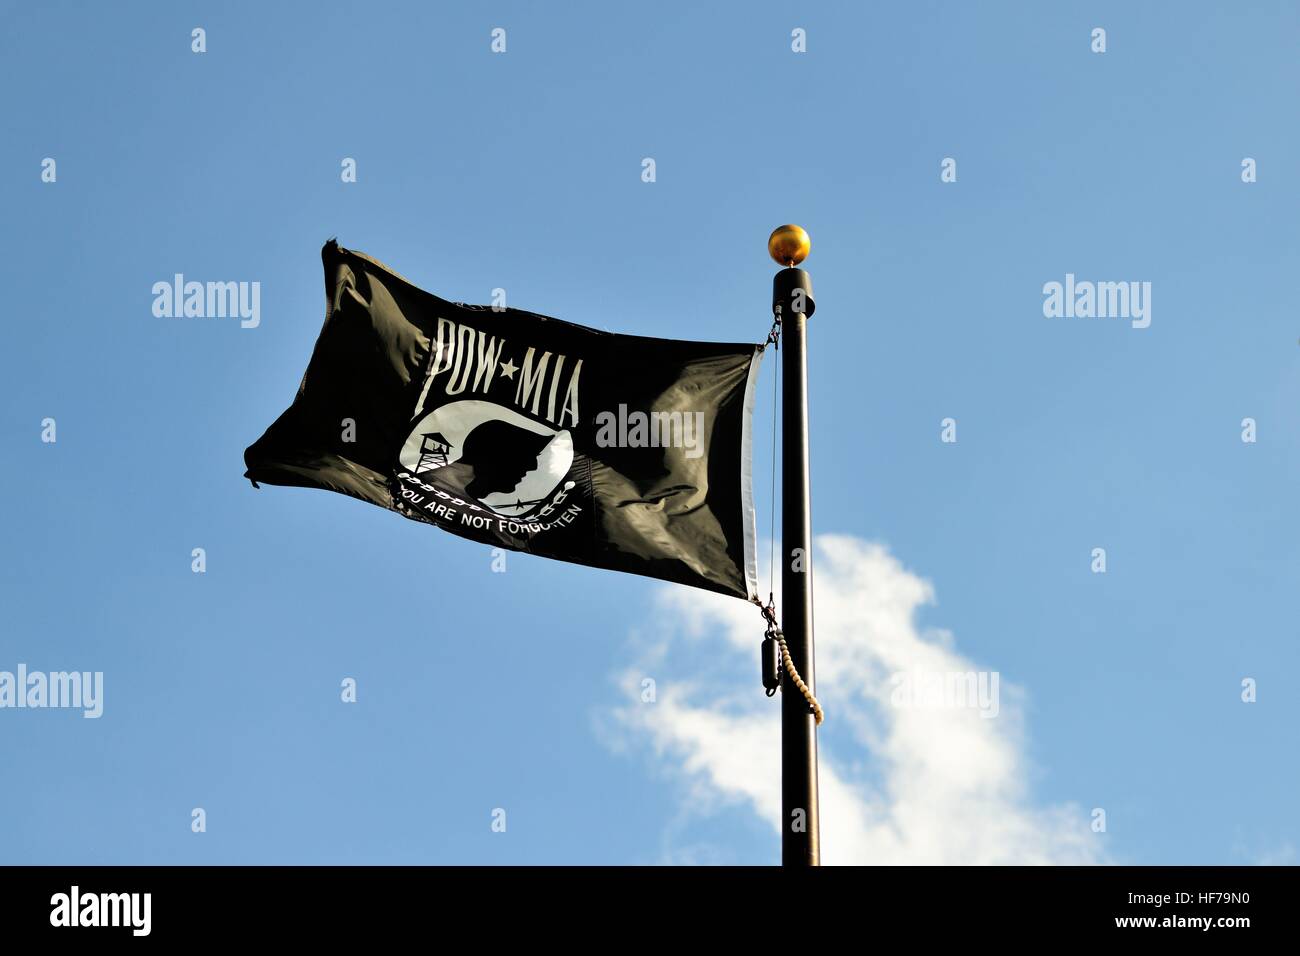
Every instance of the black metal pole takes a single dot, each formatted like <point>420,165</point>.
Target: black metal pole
<point>792,302</point>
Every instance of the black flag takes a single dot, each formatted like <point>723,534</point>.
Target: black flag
<point>525,432</point>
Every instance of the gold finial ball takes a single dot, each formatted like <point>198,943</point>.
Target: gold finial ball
<point>789,245</point>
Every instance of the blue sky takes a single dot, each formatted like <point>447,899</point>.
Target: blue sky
<point>523,171</point>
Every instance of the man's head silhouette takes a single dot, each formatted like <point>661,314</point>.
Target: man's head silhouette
<point>496,456</point>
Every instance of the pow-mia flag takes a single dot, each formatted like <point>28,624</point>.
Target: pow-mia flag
<point>525,432</point>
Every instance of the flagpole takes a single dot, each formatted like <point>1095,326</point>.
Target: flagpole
<point>792,304</point>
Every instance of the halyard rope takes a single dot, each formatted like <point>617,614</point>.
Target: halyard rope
<point>769,610</point>
<point>774,632</point>
<point>774,337</point>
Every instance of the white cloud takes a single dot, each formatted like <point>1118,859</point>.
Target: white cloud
<point>1282,855</point>
<point>899,785</point>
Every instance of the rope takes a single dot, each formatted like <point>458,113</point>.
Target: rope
<point>774,632</point>
<point>774,337</point>
<point>769,610</point>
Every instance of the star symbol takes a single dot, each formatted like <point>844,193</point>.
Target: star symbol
<point>508,369</point>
